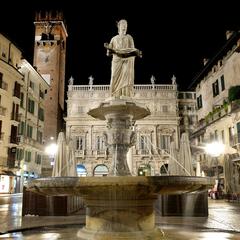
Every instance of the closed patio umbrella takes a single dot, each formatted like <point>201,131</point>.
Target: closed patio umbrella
<point>60,167</point>
<point>185,156</point>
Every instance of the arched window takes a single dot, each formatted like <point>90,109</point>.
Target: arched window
<point>81,170</point>
<point>164,169</point>
<point>100,170</point>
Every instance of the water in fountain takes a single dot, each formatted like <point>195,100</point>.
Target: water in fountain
<point>175,166</point>
<point>179,205</point>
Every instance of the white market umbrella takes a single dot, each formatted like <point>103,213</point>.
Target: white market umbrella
<point>185,156</point>
<point>60,167</point>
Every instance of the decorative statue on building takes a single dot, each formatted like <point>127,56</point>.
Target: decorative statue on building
<point>173,79</point>
<point>153,80</point>
<point>70,81</point>
<point>90,83</point>
<point>123,52</point>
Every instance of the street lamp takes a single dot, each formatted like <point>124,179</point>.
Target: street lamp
<point>51,150</point>
<point>215,149</point>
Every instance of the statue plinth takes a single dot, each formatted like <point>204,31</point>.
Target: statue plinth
<point>120,115</point>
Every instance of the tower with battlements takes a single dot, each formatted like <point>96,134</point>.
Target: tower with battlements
<point>49,59</point>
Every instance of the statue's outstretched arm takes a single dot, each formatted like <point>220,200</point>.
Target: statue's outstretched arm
<point>123,53</point>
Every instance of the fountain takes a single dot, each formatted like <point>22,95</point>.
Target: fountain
<point>119,206</point>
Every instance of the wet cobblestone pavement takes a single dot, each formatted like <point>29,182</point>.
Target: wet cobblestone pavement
<point>223,223</point>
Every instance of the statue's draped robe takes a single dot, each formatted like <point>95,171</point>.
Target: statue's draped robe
<point>122,77</point>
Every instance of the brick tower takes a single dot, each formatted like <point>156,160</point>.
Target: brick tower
<point>49,59</point>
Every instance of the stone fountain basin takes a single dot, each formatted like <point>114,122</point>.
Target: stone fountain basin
<point>127,187</point>
<point>119,208</point>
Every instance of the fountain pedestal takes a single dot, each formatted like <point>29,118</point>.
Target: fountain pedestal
<point>120,114</point>
<point>122,215</point>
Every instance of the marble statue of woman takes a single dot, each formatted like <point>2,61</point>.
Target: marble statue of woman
<point>123,52</point>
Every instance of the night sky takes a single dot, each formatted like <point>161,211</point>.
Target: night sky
<point>174,37</point>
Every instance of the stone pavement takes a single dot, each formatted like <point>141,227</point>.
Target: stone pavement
<point>222,215</point>
<point>223,221</point>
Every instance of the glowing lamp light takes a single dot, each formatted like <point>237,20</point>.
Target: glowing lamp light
<point>24,167</point>
<point>215,149</point>
<point>51,149</point>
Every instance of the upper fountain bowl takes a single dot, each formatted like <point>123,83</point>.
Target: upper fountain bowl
<point>120,106</point>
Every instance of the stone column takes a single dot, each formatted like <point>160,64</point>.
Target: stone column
<point>119,138</point>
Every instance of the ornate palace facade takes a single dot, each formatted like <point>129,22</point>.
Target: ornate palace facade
<point>150,154</point>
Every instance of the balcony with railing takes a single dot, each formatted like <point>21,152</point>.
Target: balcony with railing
<point>216,115</point>
<point>80,153</point>
<point>101,153</point>
<point>88,88</point>
<point>158,87</point>
<point>210,118</point>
